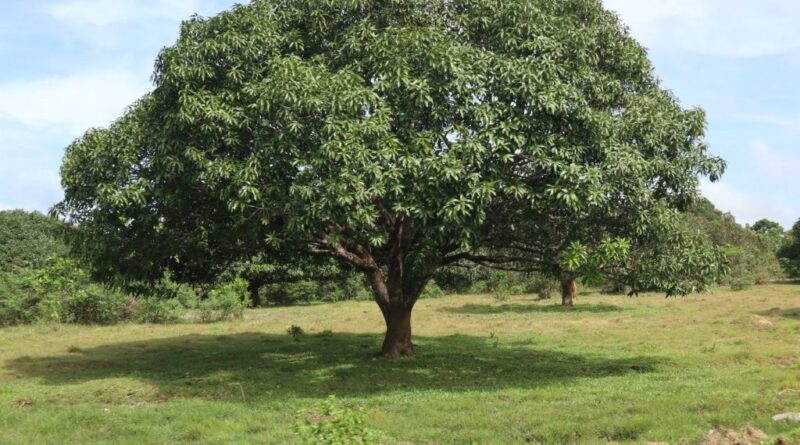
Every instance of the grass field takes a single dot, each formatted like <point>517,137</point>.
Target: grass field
<point>612,370</point>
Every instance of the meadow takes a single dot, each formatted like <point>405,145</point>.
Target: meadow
<point>612,370</point>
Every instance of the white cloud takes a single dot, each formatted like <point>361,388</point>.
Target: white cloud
<point>29,179</point>
<point>735,28</point>
<point>107,12</point>
<point>788,121</point>
<point>772,192</point>
<point>747,208</point>
<point>71,103</point>
<point>778,167</point>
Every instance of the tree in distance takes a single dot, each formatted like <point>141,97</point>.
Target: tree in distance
<point>789,253</point>
<point>771,231</point>
<point>398,137</point>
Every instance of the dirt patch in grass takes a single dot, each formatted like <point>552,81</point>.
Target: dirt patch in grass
<point>747,436</point>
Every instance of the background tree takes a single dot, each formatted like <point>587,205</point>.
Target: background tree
<point>398,137</point>
<point>749,255</point>
<point>790,252</point>
<point>771,231</point>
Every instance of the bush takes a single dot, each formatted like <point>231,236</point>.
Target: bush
<point>501,286</point>
<point>226,302</point>
<point>28,295</point>
<point>167,289</point>
<point>432,290</point>
<point>96,305</point>
<point>16,305</point>
<point>296,332</point>
<point>542,286</point>
<point>29,240</point>
<point>61,291</point>
<point>157,311</point>
<point>332,423</point>
<point>351,287</point>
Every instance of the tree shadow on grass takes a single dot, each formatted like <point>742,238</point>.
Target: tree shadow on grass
<point>481,309</point>
<point>269,366</point>
<point>790,282</point>
<point>793,313</point>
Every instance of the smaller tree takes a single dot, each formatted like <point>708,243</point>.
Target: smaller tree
<point>771,231</point>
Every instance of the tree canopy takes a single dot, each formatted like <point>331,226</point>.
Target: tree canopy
<point>398,137</point>
<point>771,231</point>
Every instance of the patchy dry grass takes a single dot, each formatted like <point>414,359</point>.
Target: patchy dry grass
<point>613,370</point>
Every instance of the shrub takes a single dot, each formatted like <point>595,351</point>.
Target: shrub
<point>61,277</point>
<point>542,286</point>
<point>432,290</point>
<point>157,311</point>
<point>333,423</point>
<point>60,291</point>
<point>501,286</point>
<point>16,304</point>
<point>296,332</point>
<point>167,289</point>
<point>226,302</point>
<point>27,295</point>
<point>96,305</point>
<point>351,287</point>
<point>29,240</point>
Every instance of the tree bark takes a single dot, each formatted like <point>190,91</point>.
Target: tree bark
<point>396,304</point>
<point>569,291</point>
<point>253,287</point>
<point>397,342</point>
<point>396,285</point>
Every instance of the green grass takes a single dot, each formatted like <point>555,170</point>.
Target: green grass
<point>613,370</point>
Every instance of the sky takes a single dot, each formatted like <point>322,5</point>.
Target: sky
<point>68,65</point>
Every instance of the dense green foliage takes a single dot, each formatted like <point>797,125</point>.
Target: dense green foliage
<point>59,291</point>
<point>771,231</point>
<point>398,137</point>
<point>749,255</point>
<point>226,302</point>
<point>29,240</point>
<point>40,281</point>
<point>675,258</point>
<point>334,423</point>
<point>790,252</point>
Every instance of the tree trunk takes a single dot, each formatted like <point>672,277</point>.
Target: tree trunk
<point>397,342</point>
<point>253,287</point>
<point>569,291</point>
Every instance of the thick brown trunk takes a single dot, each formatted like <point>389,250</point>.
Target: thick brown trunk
<point>397,342</point>
<point>569,291</point>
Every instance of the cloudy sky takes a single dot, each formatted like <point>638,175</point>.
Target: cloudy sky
<point>67,65</point>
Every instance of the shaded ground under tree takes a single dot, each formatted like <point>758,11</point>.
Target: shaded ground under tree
<point>208,366</point>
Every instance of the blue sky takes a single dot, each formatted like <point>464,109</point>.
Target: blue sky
<point>67,65</point>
